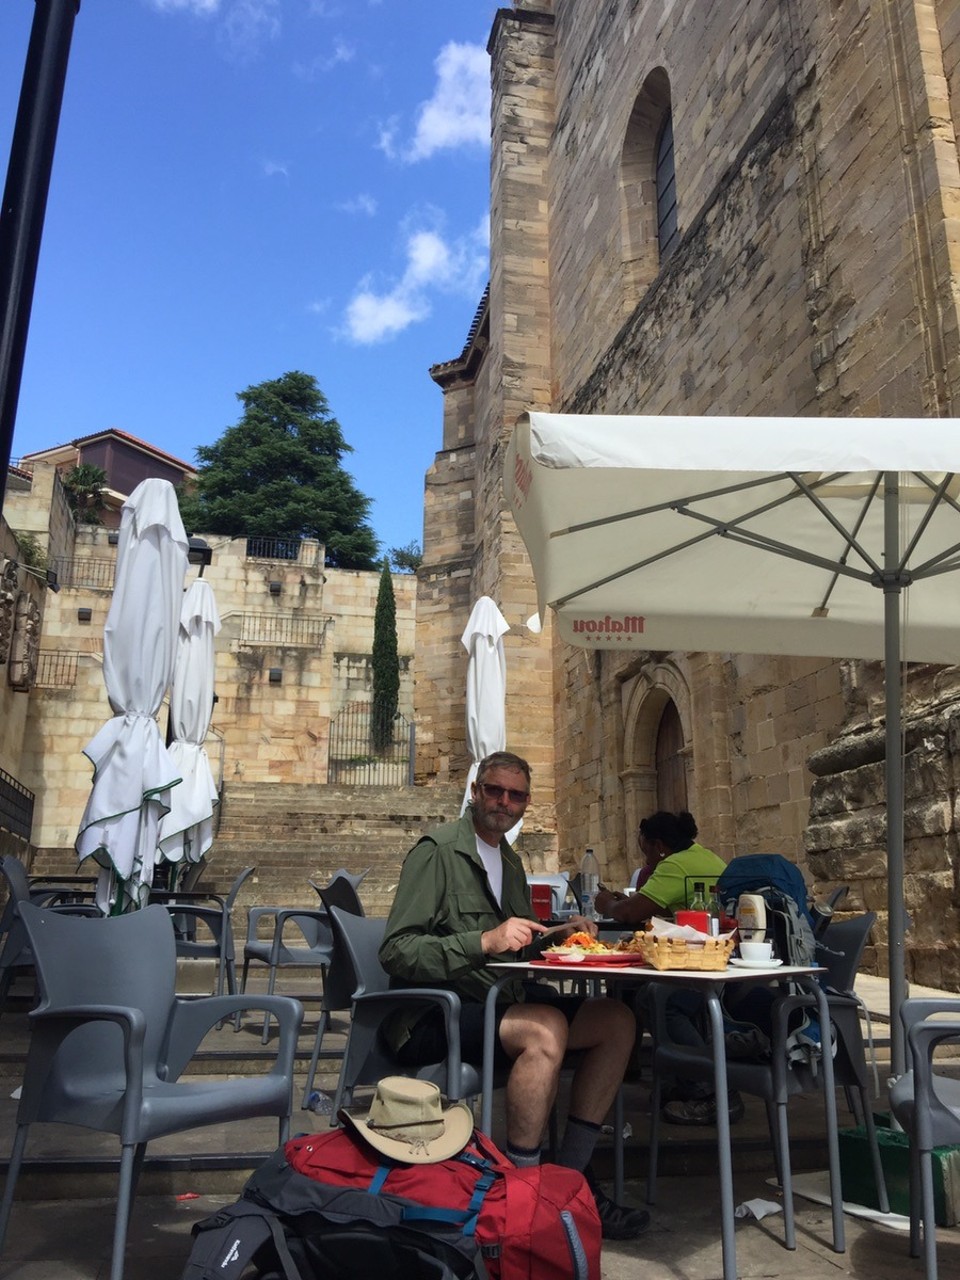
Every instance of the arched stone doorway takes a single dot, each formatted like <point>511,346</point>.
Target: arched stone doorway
<point>657,752</point>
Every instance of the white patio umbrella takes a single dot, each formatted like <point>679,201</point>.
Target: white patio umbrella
<point>486,689</point>
<point>751,535</point>
<point>133,772</point>
<point>186,830</point>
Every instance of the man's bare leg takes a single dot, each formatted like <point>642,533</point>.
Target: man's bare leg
<point>535,1037</point>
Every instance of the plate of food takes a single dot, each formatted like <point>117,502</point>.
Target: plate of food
<point>572,955</point>
<point>581,948</point>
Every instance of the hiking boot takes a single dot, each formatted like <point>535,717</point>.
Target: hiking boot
<point>617,1221</point>
<point>701,1112</point>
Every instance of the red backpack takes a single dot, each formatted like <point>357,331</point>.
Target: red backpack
<point>538,1223</point>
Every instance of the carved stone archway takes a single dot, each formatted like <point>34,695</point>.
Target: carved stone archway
<point>657,683</point>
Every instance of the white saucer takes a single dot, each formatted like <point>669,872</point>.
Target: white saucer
<point>754,964</point>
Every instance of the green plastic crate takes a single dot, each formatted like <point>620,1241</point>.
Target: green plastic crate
<point>856,1172</point>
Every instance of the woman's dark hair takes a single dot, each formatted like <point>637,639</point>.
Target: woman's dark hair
<point>676,830</point>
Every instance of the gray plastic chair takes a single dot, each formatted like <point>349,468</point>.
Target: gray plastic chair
<point>15,953</point>
<point>927,1106</point>
<point>354,879</point>
<point>367,1057</point>
<point>110,1041</point>
<point>340,979</point>
<point>300,939</point>
<point>216,940</point>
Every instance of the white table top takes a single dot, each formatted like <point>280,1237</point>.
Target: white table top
<point>592,970</point>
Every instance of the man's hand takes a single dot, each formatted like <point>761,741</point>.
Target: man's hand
<point>513,935</point>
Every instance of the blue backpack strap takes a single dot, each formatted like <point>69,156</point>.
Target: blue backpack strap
<point>466,1219</point>
<point>378,1179</point>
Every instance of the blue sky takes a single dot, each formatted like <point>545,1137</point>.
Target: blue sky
<point>243,187</point>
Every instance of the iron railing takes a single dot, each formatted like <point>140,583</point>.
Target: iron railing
<point>274,548</point>
<point>96,573</point>
<point>282,629</point>
<point>16,806</point>
<point>57,669</point>
<point>353,758</point>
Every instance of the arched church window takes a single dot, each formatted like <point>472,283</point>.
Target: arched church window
<point>648,187</point>
<point>667,233</point>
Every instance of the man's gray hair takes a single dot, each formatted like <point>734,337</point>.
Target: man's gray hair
<point>502,760</point>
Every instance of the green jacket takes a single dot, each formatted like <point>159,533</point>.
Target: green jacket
<point>442,906</point>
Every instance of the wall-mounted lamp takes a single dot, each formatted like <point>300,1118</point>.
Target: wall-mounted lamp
<point>276,675</point>
<point>199,552</point>
<point>276,588</point>
<point>47,576</point>
<point>113,538</point>
<point>84,615</point>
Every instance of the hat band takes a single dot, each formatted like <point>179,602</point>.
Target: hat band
<point>416,1124</point>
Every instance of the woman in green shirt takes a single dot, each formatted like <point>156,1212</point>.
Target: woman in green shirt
<point>668,841</point>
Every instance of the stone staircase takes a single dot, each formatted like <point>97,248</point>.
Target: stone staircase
<point>296,833</point>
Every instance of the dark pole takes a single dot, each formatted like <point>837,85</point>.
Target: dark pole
<point>25,197</point>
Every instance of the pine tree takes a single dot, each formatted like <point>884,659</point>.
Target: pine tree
<point>386,664</point>
<point>278,473</point>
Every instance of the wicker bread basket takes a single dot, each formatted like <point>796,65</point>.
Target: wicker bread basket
<point>677,953</point>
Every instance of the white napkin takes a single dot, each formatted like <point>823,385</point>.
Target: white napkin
<point>757,1209</point>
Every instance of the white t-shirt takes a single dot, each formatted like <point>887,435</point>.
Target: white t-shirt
<point>493,862</point>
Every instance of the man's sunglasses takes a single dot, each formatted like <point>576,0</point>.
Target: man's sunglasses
<point>496,793</point>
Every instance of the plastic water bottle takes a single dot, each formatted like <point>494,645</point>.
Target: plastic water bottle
<point>589,884</point>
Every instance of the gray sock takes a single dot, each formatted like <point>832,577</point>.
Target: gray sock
<point>523,1157</point>
<point>579,1139</point>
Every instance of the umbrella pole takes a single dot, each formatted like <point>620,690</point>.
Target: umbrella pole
<point>896,910</point>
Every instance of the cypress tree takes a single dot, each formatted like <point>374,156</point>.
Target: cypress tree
<point>386,664</point>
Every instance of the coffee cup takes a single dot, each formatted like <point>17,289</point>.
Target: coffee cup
<point>756,951</point>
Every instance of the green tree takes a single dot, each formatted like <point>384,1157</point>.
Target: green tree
<point>83,485</point>
<point>386,663</point>
<point>278,473</point>
<point>406,559</point>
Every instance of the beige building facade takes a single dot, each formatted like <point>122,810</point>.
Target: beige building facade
<point>807,153</point>
<point>293,663</point>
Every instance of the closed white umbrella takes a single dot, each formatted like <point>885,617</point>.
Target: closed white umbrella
<point>751,535</point>
<point>486,688</point>
<point>186,831</point>
<point>133,772</point>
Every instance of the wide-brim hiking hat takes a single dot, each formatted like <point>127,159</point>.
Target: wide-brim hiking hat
<point>408,1123</point>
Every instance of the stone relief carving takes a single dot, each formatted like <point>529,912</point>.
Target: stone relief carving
<point>25,645</point>
<point>8,599</point>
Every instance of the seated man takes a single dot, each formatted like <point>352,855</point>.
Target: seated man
<point>462,901</point>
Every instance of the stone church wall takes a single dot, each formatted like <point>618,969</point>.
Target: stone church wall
<point>817,176</point>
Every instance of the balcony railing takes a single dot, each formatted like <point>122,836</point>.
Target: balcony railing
<point>274,548</point>
<point>16,806</point>
<point>280,629</point>
<point>57,669</point>
<point>91,573</point>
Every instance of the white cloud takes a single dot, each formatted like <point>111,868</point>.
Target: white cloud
<point>341,53</point>
<point>242,27</point>
<point>372,317</point>
<point>433,265</point>
<point>194,6</point>
<point>362,203</point>
<point>273,167</point>
<point>387,138</point>
<point>458,113</point>
<point>247,24</point>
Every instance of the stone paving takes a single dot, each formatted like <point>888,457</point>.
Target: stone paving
<point>62,1220</point>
